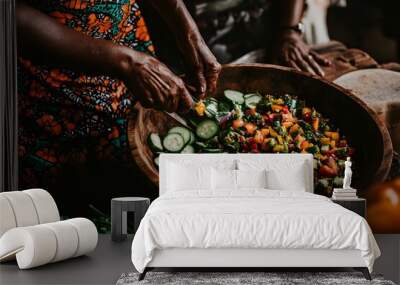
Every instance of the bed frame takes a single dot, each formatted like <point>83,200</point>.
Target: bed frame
<point>240,259</point>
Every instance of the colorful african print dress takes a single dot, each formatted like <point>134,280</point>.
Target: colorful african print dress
<point>72,126</point>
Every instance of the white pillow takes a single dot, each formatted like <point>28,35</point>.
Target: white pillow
<point>251,178</point>
<point>223,179</point>
<point>181,177</point>
<point>281,174</point>
<point>293,179</point>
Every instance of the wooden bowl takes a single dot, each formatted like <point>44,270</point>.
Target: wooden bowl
<point>364,131</point>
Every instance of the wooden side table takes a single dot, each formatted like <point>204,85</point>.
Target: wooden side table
<point>119,209</point>
<point>357,205</point>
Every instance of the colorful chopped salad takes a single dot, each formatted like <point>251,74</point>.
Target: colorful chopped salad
<point>261,124</point>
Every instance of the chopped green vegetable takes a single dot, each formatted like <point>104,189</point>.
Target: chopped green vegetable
<point>235,97</point>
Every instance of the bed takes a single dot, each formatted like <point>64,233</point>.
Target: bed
<point>247,210</point>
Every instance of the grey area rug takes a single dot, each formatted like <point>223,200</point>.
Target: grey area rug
<point>243,278</point>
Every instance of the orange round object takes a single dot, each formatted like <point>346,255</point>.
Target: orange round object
<point>384,207</point>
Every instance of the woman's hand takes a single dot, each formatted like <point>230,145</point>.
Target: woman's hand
<point>203,67</point>
<point>292,51</point>
<point>152,83</point>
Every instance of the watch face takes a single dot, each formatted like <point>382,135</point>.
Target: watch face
<point>300,27</point>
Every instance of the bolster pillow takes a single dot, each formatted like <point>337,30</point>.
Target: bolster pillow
<point>40,244</point>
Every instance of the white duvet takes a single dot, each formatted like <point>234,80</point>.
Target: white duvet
<point>253,218</point>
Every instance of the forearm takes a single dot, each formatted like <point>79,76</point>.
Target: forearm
<point>45,41</point>
<point>288,13</point>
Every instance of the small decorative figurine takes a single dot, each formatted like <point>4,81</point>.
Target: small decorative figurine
<point>347,174</point>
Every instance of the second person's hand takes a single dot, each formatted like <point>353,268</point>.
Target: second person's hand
<point>292,51</point>
<point>153,83</point>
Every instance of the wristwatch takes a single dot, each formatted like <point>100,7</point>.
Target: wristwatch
<point>297,28</point>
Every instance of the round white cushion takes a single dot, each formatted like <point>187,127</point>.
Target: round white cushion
<point>45,205</point>
<point>87,234</point>
<point>23,208</point>
<point>41,244</point>
<point>7,218</point>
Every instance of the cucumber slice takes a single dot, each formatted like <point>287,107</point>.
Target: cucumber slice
<point>155,143</point>
<point>157,161</point>
<point>251,100</point>
<point>185,133</point>
<point>234,96</point>
<point>207,129</point>
<point>188,149</point>
<point>194,121</point>
<point>192,138</point>
<point>200,145</point>
<point>173,142</point>
<point>212,150</point>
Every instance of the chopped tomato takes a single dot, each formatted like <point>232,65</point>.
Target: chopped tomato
<point>238,123</point>
<point>258,137</point>
<point>287,124</point>
<point>326,171</point>
<point>250,128</point>
<point>276,108</point>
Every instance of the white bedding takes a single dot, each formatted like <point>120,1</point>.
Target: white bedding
<point>251,218</point>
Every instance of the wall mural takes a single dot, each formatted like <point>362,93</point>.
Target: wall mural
<point>83,137</point>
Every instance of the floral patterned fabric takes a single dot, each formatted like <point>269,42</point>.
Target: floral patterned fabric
<point>68,118</point>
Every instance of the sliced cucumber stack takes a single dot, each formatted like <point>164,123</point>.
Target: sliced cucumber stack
<point>185,133</point>
<point>251,100</point>
<point>173,142</point>
<point>207,129</point>
<point>234,96</point>
<point>155,143</point>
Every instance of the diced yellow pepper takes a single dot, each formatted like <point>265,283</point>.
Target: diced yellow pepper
<point>278,148</point>
<point>335,136</point>
<point>272,132</point>
<point>200,108</point>
<point>325,140</point>
<point>265,132</point>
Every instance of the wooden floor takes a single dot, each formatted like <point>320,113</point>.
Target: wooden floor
<point>103,266</point>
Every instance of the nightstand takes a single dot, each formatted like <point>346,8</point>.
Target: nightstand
<point>119,209</point>
<point>357,205</point>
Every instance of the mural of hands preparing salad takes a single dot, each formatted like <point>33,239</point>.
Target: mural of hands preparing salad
<point>85,68</point>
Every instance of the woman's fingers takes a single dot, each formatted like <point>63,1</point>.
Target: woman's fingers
<point>318,70</point>
<point>302,63</point>
<point>185,101</point>
<point>212,73</point>
<point>320,59</point>
<point>293,64</point>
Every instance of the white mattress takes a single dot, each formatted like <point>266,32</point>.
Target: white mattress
<point>253,218</point>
